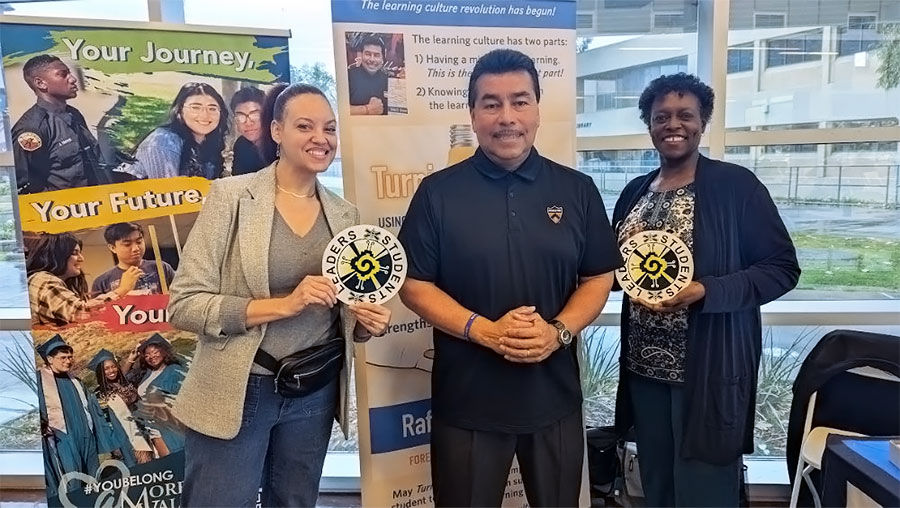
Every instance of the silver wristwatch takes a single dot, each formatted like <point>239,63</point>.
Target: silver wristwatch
<point>564,336</point>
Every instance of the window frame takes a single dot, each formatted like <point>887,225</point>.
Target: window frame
<point>654,27</point>
<point>741,50</point>
<point>756,15</point>
<point>860,41</point>
<point>805,53</point>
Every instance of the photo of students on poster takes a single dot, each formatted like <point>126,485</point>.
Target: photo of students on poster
<point>128,245</point>
<point>247,106</point>
<point>115,148</point>
<point>192,141</point>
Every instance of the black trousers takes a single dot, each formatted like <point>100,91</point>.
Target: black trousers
<point>667,478</point>
<point>470,467</point>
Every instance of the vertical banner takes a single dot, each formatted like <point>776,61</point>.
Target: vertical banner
<point>117,133</point>
<point>402,77</point>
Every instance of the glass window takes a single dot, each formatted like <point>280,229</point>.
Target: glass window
<point>840,204</point>
<point>865,146</point>
<point>668,20</point>
<point>612,169</point>
<point>740,58</point>
<point>859,34</point>
<point>19,427</point>
<point>838,199</point>
<point>794,49</point>
<point>737,150</point>
<point>12,260</point>
<point>874,122</point>
<point>584,20</point>
<point>769,20</point>
<point>622,88</point>
<point>803,148</point>
<point>120,10</point>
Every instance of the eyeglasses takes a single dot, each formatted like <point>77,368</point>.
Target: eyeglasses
<point>198,108</point>
<point>252,116</point>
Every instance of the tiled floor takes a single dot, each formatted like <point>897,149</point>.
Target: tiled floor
<point>36,499</point>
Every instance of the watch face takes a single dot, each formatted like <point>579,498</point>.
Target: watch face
<point>565,336</point>
<point>366,263</point>
<point>658,265</point>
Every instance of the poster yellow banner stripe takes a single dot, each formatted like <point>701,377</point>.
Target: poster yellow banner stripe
<point>92,207</point>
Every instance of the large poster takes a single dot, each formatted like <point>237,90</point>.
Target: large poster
<point>116,134</point>
<point>402,73</point>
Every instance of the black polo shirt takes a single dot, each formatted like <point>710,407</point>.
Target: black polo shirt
<point>364,86</point>
<point>486,237</point>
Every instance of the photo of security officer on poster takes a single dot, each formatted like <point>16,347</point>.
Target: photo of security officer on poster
<point>117,134</point>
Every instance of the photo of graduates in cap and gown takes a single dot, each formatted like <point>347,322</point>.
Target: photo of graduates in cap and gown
<point>113,162</point>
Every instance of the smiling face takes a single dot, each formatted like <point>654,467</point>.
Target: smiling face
<point>372,58</point>
<point>153,356</point>
<point>61,362</point>
<point>74,263</point>
<point>201,114</point>
<point>676,126</point>
<point>307,133</point>
<point>505,117</point>
<point>110,370</point>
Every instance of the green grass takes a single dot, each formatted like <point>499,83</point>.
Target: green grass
<point>138,117</point>
<point>854,264</point>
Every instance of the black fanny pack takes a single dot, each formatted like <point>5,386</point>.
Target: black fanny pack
<point>305,371</point>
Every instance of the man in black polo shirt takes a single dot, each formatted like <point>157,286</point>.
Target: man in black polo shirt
<point>510,256</point>
<point>368,81</point>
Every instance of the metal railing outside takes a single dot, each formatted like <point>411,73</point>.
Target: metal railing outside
<point>863,185</point>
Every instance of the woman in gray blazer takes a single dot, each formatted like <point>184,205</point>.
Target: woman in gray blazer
<point>249,279</point>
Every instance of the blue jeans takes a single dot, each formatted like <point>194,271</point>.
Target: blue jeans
<point>280,447</point>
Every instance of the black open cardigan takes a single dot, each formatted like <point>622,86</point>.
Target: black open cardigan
<point>744,258</point>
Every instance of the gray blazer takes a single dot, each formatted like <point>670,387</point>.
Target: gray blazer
<point>224,265</point>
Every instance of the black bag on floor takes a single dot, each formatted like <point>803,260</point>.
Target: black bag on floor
<point>602,461</point>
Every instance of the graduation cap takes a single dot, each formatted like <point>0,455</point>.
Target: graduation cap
<point>155,340</point>
<point>100,357</point>
<point>51,345</point>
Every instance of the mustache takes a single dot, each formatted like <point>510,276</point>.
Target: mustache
<point>508,132</point>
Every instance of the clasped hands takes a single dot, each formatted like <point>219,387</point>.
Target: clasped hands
<point>520,336</point>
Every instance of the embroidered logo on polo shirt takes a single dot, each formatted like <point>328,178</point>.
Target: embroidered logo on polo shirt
<point>29,141</point>
<point>555,213</point>
<point>366,263</point>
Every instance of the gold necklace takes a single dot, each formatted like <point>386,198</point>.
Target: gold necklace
<point>282,189</point>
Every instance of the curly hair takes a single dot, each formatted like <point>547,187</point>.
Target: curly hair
<point>681,84</point>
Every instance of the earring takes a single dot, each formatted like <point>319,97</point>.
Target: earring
<point>278,151</point>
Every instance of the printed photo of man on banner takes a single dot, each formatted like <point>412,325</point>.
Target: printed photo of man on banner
<point>117,134</point>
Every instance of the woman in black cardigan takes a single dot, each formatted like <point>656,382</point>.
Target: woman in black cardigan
<point>688,368</point>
